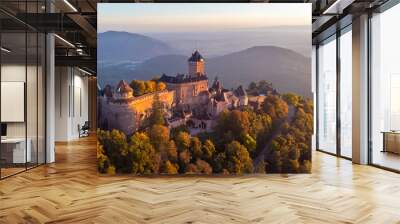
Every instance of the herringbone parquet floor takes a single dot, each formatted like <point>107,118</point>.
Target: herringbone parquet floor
<point>71,191</point>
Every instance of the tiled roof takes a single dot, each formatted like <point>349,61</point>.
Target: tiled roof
<point>180,78</point>
<point>196,56</point>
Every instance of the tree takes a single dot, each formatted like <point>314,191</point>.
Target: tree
<point>196,148</point>
<point>275,107</point>
<point>305,167</point>
<point>230,130</point>
<point>273,158</point>
<point>157,112</point>
<point>144,157</point>
<point>181,128</point>
<point>161,86</point>
<point>184,160</point>
<point>208,150</point>
<point>238,159</point>
<point>182,141</point>
<point>172,153</point>
<point>250,143</point>
<point>102,160</point>
<point>115,147</point>
<point>260,167</point>
<point>170,168</point>
<point>138,86</point>
<point>292,99</point>
<point>111,170</point>
<point>159,137</point>
<point>151,86</point>
<point>203,167</point>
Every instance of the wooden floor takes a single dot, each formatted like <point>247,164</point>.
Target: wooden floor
<point>71,191</point>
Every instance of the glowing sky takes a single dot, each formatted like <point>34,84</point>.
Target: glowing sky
<point>180,17</point>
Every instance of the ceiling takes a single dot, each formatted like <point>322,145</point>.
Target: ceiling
<point>75,21</point>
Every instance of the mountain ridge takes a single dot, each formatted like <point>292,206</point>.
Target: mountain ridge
<point>286,69</point>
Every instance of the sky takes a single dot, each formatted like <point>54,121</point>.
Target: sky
<point>203,17</point>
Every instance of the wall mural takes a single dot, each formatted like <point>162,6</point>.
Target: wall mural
<point>204,88</point>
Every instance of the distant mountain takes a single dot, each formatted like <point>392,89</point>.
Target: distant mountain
<point>288,71</point>
<point>123,46</point>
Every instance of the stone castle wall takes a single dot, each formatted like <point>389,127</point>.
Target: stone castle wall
<point>187,93</point>
<point>128,114</point>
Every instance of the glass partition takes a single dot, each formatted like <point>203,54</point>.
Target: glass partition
<point>327,96</point>
<point>14,155</point>
<point>22,88</point>
<point>385,89</point>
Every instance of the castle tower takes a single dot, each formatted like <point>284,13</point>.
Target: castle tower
<point>196,65</point>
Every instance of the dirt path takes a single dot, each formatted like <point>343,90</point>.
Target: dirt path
<point>261,155</point>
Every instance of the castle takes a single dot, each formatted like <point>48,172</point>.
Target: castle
<point>189,87</point>
<point>187,100</point>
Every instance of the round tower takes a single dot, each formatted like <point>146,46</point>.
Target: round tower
<point>196,65</point>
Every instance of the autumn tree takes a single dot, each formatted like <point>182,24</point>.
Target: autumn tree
<point>114,146</point>
<point>291,99</point>
<point>184,160</point>
<point>238,159</point>
<point>144,157</point>
<point>172,153</point>
<point>232,125</point>
<point>161,86</point>
<point>182,141</point>
<point>170,168</point>
<point>102,160</point>
<point>208,150</point>
<point>203,167</point>
<point>275,107</point>
<point>151,86</point>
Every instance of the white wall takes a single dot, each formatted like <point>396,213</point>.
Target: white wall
<point>71,102</point>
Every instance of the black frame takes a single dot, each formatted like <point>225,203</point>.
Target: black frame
<point>30,29</point>
<point>340,31</point>
<point>387,5</point>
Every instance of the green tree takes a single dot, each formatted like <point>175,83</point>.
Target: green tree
<point>159,137</point>
<point>138,86</point>
<point>157,112</point>
<point>250,143</point>
<point>273,158</point>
